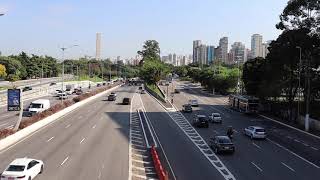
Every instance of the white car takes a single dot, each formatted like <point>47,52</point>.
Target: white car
<point>22,169</point>
<point>255,132</point>
<point>193,102</point>
<point>63,95</point>
<point>215,118</point>
<point>113,93</point>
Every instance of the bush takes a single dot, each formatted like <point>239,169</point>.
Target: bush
<point>5,132</point>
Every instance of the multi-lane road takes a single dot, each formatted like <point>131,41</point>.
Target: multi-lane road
<point>93,142</point>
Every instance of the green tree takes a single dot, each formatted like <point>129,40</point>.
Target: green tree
<point>150,51</point>
<point>3,72</point>
<point>14,68</point>
<point>153,71</point>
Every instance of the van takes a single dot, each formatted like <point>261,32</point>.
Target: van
<point>38,106</point>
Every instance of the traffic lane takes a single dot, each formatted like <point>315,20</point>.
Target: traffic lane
<point>64,145</point>
<point>240,121</point>
<point>247,159</point>
<point>304,145</point>
<point>185,158</point>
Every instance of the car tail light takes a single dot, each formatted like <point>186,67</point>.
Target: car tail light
<point>20,177</point>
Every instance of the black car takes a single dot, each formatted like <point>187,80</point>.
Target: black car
<point>98,85</point>
<point>27,88</point>
<point>187,108</point>
<point>140,88</point>
<point>177,91</point>
<point>104,84</point>
<point>126,101</point>
<point>221,144</point>
<point>53,83</point>
<point>112,97</point>
<point>201,121</point>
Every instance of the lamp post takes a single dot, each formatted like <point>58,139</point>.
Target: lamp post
<point>299,81</point>
<point>63,49</point>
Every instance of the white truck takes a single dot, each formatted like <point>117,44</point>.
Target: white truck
<point>215,118</point>
<point>38,106</point>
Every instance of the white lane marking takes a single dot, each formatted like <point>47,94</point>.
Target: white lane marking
<point>94,126</point>
<point>102,166</point>
<point>3,124</point>
<point>50,139</point>
<point>7,115</point>
<point>305,144</point>
<point>99,176</point>
<point>82,140</point>
<point>9,127</point>
<point>256,166</point>
<point>66,159</point>
<point>296,140</point>
<point>235,131</point>
<point>287,166</point>
<point>130,143</point>
<point>286,149</point>
<point>289,137</point>
<point>316,149</point>
<point>256,145</point>
<point>68,126</point>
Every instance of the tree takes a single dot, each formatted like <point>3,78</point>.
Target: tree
<point>301,14</point>
<point>3,72</point>
<point>150,51</point>
<point>14,68</point>
<point>153,71</point>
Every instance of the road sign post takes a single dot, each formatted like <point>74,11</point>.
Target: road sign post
<point>15,103</point>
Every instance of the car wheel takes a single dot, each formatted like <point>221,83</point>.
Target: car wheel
<point>251,136</point>
<point>29,178</point>
<point>41,170</point>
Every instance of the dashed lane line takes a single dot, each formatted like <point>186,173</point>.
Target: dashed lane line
<point>256,145</point>
<point>68,126</point>
<point>256,166</point>
<point>50,139</point>
<point>64,161</point>
<point>288,166</point>
<point>82,140</point>
<point>316,149</point>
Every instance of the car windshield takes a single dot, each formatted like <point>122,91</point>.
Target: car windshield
<point>202,118</point>
<point>224,140</point>
<point>35,105</point>
<point>260,130</point>
<point>216,115</point>
<point>15,168</point>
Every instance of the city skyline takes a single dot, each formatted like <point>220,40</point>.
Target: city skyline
<point>66,23</point>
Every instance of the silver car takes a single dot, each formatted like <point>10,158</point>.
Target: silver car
<point>255,132</point>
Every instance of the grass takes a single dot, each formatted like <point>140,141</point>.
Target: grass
<point>155,89</point>
<point>93,79</point>
<point>3,88</point>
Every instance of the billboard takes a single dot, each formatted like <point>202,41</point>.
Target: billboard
<point>14,100</point>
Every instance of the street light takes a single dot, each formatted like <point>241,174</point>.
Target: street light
<point>63,49</point>
<point>299,77</point>
<point>1,14</point>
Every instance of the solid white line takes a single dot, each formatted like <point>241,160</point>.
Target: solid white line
<point>287,166</point>
<point>50,139</point>
<point>305,144</point>
<point>94,126</point>
<point>296,140</point>
<point>256,166</point>
<point>256,145</point>
<point>82,140</point>
<point>290,126</point>
<point>316,149</point>
<point>68,125</point>
<point>99,176</point>
<point>64,160</point>
<point>294,153</point>
<point>130,143</point>
<point>289,137</point>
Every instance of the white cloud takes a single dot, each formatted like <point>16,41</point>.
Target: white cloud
<point>5,8</point>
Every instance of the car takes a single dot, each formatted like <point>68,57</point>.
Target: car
<point>200,121</point>
<point>63,95</point>
<point>38,106</point>
<point>194,102</point>
<point>221,144</point>
<point>98,85</point>
<point>22,169</point>
<point>112,97</point>
<point>143,91</point>
<point>177,91</point>
<point>113,93</point>
<point>187,108</point>
<point>255,132</point>
<point>52,84</point>
<point>215,118</point>
<point>140,88</point>
<point>27,88</point>
<point>57,92</point>
<point>104,84</point>
<point>186,88</point>
<point>126,101</point>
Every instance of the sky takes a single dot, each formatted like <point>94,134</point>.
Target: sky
<point>42,27</point>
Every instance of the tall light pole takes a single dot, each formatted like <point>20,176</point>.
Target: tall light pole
<point>299,81</point>
<point>63,49</point>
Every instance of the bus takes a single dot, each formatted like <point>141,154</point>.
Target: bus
<point>244,103</point>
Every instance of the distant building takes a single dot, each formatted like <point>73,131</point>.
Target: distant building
<point>217,53</point>
<point>223,44</point>
<point>210,54</point>
<point>170,59</point>
<point>203,54</point>
<point>165,59</point>
<point>238,51</point>
<point>98,46</point>
<point>118,58</point>
<point>230,59</point>
<point>174,59</point>
<point>196,53</point>
<point>256,46</point>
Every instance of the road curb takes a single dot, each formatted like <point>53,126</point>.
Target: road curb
<point>30,130</point>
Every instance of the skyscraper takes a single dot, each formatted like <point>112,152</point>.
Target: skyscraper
<point>210,54</point>
<point>203,54</point>
<point>174,60</point>
<point>238,51</point>
<point>256,46</point>
<point>98,46</point>
<point>223,44</point>
<point>196,44</point>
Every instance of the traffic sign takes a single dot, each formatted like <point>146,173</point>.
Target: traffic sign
<point>14,99</point>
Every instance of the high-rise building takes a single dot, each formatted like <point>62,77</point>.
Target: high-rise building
<point>238,51</point>
<point>170,58</point>
<point>98,46</point>
<point>196,50</point>
<point>217,53</point>
<point>210,54</point>
<point>247,54</point>
<point>256,46</point>
<point>118,58</point>
<point>174,59</point>
<point>223,44</point>
<point>203,54</point>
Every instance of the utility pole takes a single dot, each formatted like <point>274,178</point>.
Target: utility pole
<point>299,82</point>
<point>308,94</point>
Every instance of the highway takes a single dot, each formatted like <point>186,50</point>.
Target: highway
<point>286,154</point>
<point>88,143</point>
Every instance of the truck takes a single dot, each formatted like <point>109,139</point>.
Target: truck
<point>38,106</point>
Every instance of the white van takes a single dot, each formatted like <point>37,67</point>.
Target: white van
<point>39,106</point>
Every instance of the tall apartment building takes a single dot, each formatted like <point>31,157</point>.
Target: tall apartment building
<point>210,54</point>
<point>238,51</point>
<point>256,46</point>
<point>196,53</point>
<point>174,59</point>
<point>217,53</point>
<point>223,44</point>
<point>203,54</point>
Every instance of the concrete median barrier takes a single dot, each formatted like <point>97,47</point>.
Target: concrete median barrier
<point>162,174</point>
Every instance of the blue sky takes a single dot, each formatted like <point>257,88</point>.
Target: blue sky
<point>42,26</point>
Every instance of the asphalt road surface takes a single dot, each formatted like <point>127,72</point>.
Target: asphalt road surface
<point>89,143</point>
